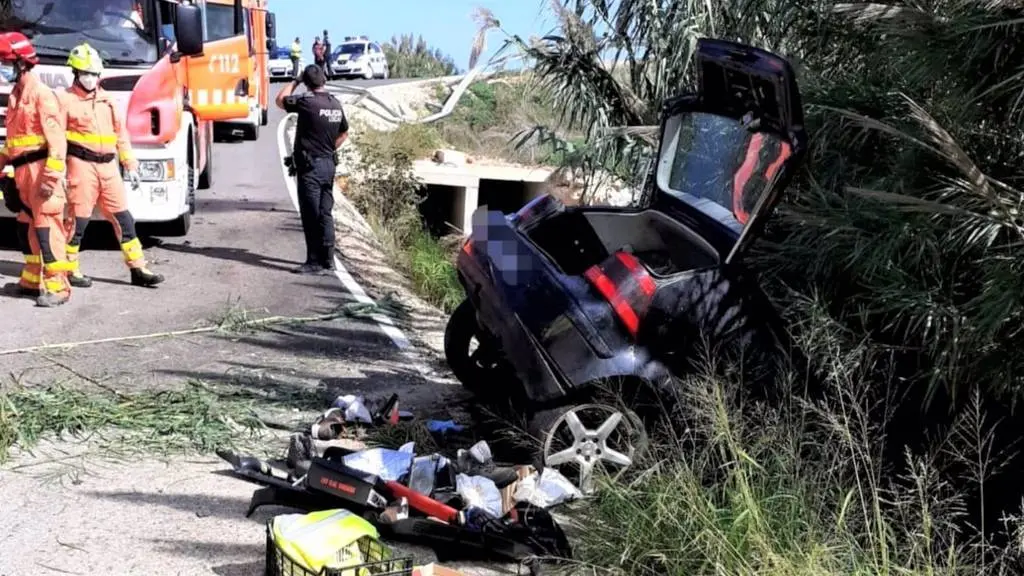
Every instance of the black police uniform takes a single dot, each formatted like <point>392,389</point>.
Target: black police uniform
<point>321,120</point>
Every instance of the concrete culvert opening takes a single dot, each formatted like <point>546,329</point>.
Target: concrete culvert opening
<point>440,210</point>
<point>508,196</point>
<point>447,209</point>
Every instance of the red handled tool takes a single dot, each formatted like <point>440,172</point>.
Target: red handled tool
<point>424,504</point>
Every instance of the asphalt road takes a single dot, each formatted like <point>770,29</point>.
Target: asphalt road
<point>78,514</point>
<point>245,238</point>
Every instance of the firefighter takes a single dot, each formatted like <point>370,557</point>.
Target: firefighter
<point>36,149</point>
<point>96,142</point>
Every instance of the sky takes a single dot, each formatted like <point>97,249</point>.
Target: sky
<point>444,24</point>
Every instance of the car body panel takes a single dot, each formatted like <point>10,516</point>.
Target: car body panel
<point>556,332</point>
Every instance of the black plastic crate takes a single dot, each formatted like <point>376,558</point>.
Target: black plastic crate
<point>279,563</point>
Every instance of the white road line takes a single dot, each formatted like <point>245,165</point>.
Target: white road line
<point>386,324</point>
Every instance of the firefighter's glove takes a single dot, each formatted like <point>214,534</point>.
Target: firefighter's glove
<point>50,185</point>
<point>12,201</point>
<point>134,179</point>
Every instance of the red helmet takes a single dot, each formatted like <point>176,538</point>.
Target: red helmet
<point>15,46</point>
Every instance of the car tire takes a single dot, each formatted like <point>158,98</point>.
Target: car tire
<point>472,369</point>
<point>368,75</point>
<point>583,440</point>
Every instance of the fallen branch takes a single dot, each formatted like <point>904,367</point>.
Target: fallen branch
<point>353,310</point>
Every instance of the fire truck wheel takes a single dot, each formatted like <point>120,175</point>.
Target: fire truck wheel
<point>181,226</point>
<point>206,176</point>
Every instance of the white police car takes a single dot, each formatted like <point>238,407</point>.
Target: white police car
<point>358,57</point>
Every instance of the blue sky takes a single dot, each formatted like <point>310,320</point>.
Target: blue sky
<point>444,24</point>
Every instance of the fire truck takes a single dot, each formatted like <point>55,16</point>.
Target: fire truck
<point>255,18</point>
<point>174,67</point>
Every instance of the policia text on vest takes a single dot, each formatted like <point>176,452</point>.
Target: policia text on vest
<point>320,130</point>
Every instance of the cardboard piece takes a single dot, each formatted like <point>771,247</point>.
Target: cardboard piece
<point>508,500</point>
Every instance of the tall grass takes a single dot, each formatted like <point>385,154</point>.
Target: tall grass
<point>796,489</point>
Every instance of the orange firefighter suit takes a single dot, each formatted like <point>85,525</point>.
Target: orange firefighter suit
<point>36,148</point>
<point>97,143</point>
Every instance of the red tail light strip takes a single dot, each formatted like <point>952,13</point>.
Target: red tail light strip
<point>611,293</point>
<point>645,282</point>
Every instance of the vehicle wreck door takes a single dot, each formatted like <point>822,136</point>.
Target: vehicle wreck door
<point>727,152</point>
<point>218,79</point>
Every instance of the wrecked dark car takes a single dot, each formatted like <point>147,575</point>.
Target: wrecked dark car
<point>564,298</point>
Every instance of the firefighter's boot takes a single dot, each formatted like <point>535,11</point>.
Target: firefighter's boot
<point>79,280</point>
<point>52,300</point>
<point>143,277</point>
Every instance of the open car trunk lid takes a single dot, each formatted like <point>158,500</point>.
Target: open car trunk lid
<point>729,150</point>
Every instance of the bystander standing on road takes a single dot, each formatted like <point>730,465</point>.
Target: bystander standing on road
<point>318,52</point>
<point>320,130</point>
<point>327,56</point>
<point>296,56</point>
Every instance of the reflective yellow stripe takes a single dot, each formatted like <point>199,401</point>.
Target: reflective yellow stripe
<point>60,266</point>
<point>54,286</point>
<point>72,249</point>
<point>80,138</point>
<point>74,266</point>
<point>132,250</point>
<point>25,141</point>
<point>127,156</point>
<point>30,277</point>
<point>55,164</point>
<point>33,259</point>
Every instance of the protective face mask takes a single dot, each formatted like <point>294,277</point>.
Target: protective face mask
<point>8,73</point>
<point>88,81</point>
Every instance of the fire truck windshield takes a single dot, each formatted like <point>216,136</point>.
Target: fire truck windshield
<point>122,31</point>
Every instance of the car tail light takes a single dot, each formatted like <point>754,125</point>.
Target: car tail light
<point>627,286</point>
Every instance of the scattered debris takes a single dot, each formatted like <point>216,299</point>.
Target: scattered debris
<point>463,506</point>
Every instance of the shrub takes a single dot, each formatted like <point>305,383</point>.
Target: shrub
<point>387,193</point>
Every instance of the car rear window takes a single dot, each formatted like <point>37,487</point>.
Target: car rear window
<point>718,165</point>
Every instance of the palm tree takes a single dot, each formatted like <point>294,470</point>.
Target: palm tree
<point>411,57</point>
<point>905,231</point>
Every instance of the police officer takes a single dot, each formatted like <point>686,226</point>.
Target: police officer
<point>321,129</point>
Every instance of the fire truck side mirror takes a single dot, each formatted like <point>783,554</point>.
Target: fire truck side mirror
<point>188,29</point>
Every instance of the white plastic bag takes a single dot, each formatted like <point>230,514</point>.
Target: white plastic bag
<point>354,408</point>
<point>382,462</point>
<point>546,489</point>
<point>479,492</point>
